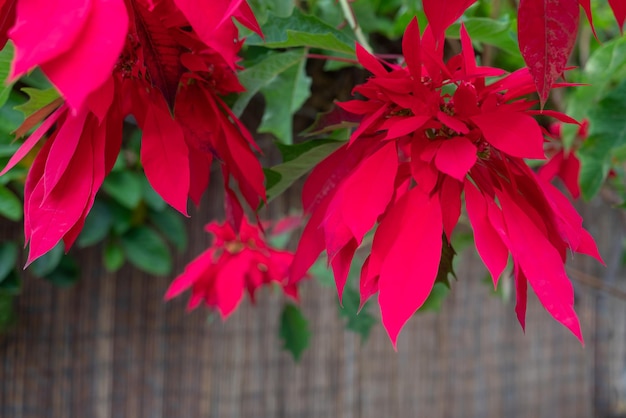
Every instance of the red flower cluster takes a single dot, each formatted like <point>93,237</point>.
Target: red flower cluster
<point>234,263</point>
<point>430,132</point>
<point>563,163</point>
<point>166,63</point>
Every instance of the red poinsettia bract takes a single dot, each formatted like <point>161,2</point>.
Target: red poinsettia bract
<point>236,262</point>
<point>165,62</point>
<point>563,163</point>
<point>430,132</point>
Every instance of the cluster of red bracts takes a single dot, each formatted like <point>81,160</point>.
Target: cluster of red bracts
<point>430,132</point>
<point>166,63</point>
<point>235,262</point>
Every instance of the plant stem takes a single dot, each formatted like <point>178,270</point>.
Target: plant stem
<point>349,15</point>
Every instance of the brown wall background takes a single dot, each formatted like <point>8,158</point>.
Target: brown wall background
<point>109,347</point>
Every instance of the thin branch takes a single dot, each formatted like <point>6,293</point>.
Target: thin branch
<point>596,283</point>
<point>349,15</point>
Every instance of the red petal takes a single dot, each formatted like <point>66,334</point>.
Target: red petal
<point>521,296</point>
<point>165,156</point>
<point>411,49</point>
<point>514,133</point>
<point>51,218</point>
<point>45,29</point>
<point>456,156</point>
<point>541,264</point>
<point>81,70</point>
<point>586,5</point>
<point>399,126</point>
<point>488,243</point>
<point>370,62</point>
<point>365,194</point>
<point>230,282</point>
<point>341,266</point>
<point>547,32</point>
<point>451,208</point>
<point>409,270</point>
<point>442,13</point>
<point>63,149</point>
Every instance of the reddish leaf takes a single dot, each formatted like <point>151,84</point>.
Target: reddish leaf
<point>442,13</point>
<point>541,264</point>
<point>229,283</point>
<point>341,266</point>
<point>370,62</point>
<point>63,148</point>
<point>44,30</point>
<point>161,52</point>
<point>514,133</point>
<point>451,208</point>
<point>53,216</point>
<point>165,157</point>
<point>409,270</point>
<point>456,156</point>
<point>488,243</point>
<point>586,5</point>
<point>411,49</point>
<point>547,32</point>
<point>81,70</point>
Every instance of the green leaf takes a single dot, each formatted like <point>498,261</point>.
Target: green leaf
<point>37,99</point>
<point>6,57</point>
<point>170,223</point>
<point>97,225</point>
<point>499,33</point>
<point>284,95</point>
<point>436,298</point>
<point>11,285</point>
<point>10,205</point>
<point>605,67</point>
<point>147,251</point>
<point>8,258</point>
<point>294,331</point>
<point>291,170</point>
<point>446,263</point>
<point>8,316</point>
<point>153,199</point>
<point>280,8</point>
<point>113,257</point>
<point>125,187</point>
<point>66,274</point>
<point>359,322</point>
<point>257,76</point>
<point>48,262</point>
<point>607,133</point>
<point>300,30</point>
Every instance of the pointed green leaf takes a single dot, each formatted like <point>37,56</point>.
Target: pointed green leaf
<point>170,223</point>
<point>313,152</point>
<point>113,257</point>
<point>6,57</point>
<point>8,258</point>
<point>66,274</point>
<point>10,204</point>
<point>360,322</point>
<point>48,262</point>
<point>257,76</point>
<point>294,331</point>
<point>125,187</point>
<point>37,99</point>
<point>436,298</point>
<point>147,251</point>
<point>97,226</point>
<point>300,30</point>
<point>284,95</point>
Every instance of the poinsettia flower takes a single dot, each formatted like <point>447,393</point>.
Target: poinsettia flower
<point>432,131</point>
<point>235,263</point>
<point>563,163</point>
<point>149,65</point>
